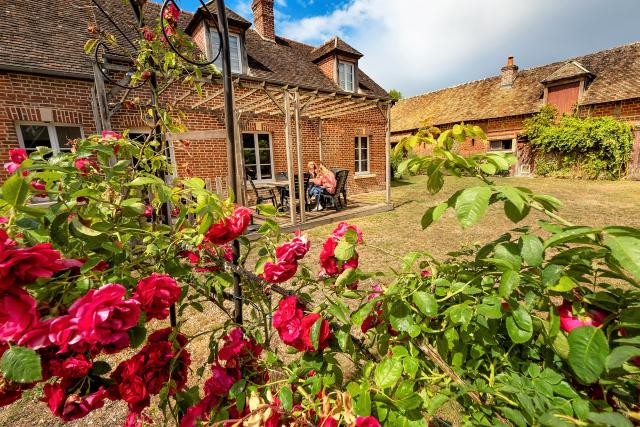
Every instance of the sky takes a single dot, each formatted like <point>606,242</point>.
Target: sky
<point>417,46</point>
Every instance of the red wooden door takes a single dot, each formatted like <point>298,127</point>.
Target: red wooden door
<point>564,97</point>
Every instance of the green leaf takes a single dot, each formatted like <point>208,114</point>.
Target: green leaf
<point>89,46</point>
<point>620,355</point>
<point>532,250</point>
<point>514,196</point>
<point>388,373</point>
<point>588,351</point>
<point>565,284</point>
<point>137,336</point>
<point>358,317</point>
<point>82,230</point>
<point>626,250</point>
<point>100,367</point>
<point>348,277</point>
<point>339,310</point>
<point>363,402</point>
<point>510,280</point>
<point>435,182</point>
<point>612,419</point>
<point>15,190</point>
<point>433,214</point>
<point>145,180</point>
<point>426,303</point>
<point>345,250</point>
<point>22,365</point>
<point>520,326</point>
<point>286,398</point>
<point>314,335</point>
<point>472,205</point>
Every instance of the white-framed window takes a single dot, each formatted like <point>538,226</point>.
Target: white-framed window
<point>235,50</point>
<point>501,145</point>
<point>258,156</point>
<point>58,137</point>
<point>346,73</point>
<point>141,135</point>
<point>362,154</point>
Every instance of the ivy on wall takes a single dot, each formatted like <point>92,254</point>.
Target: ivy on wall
<point>574,147</point>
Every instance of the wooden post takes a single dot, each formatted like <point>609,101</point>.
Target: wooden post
<point>241,196</point>
<point>321,151</point>
<point>300,160</point>
<point>388,156</point>
<point>101,96</point>
<point>290,171</point>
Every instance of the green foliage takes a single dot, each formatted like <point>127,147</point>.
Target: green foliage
<point>592,147</point>
<point>395,94</point>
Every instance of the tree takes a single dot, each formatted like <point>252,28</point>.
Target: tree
<point>395,94</point>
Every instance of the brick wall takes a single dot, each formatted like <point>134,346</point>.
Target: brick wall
<point>23,95</point>
<point>327,66</point>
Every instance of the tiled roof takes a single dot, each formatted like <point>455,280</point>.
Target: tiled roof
<point>336,44</point>
<point>616,77</point>
<point>232,17</point>
<point>569,70</point>
<point>48,36</point>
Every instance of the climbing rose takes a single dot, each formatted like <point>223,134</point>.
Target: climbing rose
<point>109,134</point>
<point>17,314</point>
<point>342,228</point>
<point>148,211</point>
<point>23,266</point>
<point>100,317</point>
<point>330,264</point>
<point>148,35</point>
<point>294,250</point>
<point>72,407</point>
<point>76,367</point>
<point>328,422</point>
<point>172,13</point>
<point>84,165</point>
<point>229,228</point>
<point>220,382</point>
<point>38,186</point>
<point>325,332</point>
<point>280,272</point>
<point>156,294</point>
<point>569,322</point>
<point>17,156</point>
<point>367,422</point>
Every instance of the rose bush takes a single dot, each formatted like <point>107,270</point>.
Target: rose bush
<point>538,327</point>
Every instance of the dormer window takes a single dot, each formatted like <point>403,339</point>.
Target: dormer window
<point>235,49</point>
<point>346,76</point>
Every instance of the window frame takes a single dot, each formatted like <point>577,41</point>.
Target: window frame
<point>358,159</point>
<point>503,150</point>
<point>353,76</point>
<point>51,129</point>
<point>257,151</point>
<point>172,154</point>
<point>214,33</point>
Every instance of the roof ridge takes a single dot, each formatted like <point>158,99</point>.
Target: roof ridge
<point>563,62</point>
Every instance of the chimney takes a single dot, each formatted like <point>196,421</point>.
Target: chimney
<point>263,19</point>
<point>509,74</point>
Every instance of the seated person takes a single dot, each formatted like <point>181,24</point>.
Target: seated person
<point>324,183</point>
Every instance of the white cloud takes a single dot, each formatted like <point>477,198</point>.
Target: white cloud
<point>419,45</point>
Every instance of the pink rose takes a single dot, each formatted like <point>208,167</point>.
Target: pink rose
<point>569,322</point>
<point>38,186</point>
<point>100,317</point>
<point>237,346</point>
<point>328,422</point>
<point>342,228</point>
<point>172,13</point>
<point>156,294</point>
<point>148,211</point>
<point>280,272</point>
<point>18,155</point>
<point>76,367</point>
<point>17,314</point>
<point>109,134</point>
<point>148,35</point>
<point>367,422</point>
<point>220,382</point>
<point>85,165</point>
<point>37,337</point>
<point>426,273</point>
<point>11,167</point>
<point>229,228</point>
<point>294,250</point>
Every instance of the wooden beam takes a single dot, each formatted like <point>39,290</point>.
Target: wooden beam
<point>275,102</point>
<point>388,157</point>
<point>354,106</point>
<point>198,135</point>
<point>325,106</point>
<point>240,98</point>
<point>258,103</point>
<point>208,98</point>
<point>290,171</point>
<point>347,112</point>
<point>321,148</point>
<point>300,159</point>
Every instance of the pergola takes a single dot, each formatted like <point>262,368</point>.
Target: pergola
<point>267,97</point>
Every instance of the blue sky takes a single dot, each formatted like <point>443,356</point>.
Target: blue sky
<point>422,45</point>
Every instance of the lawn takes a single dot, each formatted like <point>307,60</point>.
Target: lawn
<point>395,233</point>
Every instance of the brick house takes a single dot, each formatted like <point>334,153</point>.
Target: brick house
<point>50,92</point>
<point>605,83</point>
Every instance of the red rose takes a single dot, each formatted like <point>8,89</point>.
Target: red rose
<point>294,250</point>
<point>328,261</point>
<point>156,294</point>
<point>76,367</point>
<point>280,272</point>
<point>198,412</point>
<point>17,314</point>
<point>367,422</point>
<point>328,422</point>
<point>148,211</point>
<point>342,228</point>
<point>134,391</point>
<point>229,228</point>
<point>23,266</point>
<point>325,332</point>
<point>101,317</point>
<point>145,75</point>
<point>109,134</point>
<point>569,322</point>
<point>18,155</point>
<point>84,165</point>
<point>220,382</point>
<point>100,266</point>
<point>72,407</point>
<point>37,337</point>
<point>171,13</point>
<point>236,346</point>
<point>288,308</point>
<point>426,273</point>
<point>38,186</point>
<point>148,35</point>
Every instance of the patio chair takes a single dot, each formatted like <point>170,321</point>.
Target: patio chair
<point>263,194</point>
<point>341,184</point>
<point>285,191</point>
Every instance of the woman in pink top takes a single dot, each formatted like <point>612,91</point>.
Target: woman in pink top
<point>324,183</point>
